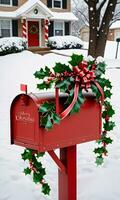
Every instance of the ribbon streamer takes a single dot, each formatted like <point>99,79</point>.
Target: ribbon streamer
<point>70,107</point>
<point>76,91</point>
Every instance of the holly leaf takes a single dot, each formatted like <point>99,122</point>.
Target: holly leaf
<point>104,114</point>
<point>95,91</point>
<point>78,103</point>
<point>47,70</point>
<point>42,172</point>
<point>81,98</point>
<point>37,177</point>
<point>108,83</point>
<point>41,154</point>
<point>46,122</point>
<point>99,141</point>
<point>107,104</point>
<point>109,112</point>
<point>107,140</point>
<point>101,67</point>
<point>76,59</point>
<point>108,126</point>
<point>98,73</point>
<point>99,160</point>
<point>90,63</point>
<point>104,83</point>
<point>100,150</point>
<point>109,109</point>
<point>46,107</point>
<point>60,68</point>
<point>76,108</point>
<point>107,94</point>
<point>43,86</point>
<point>70,97</point>
<point>56,119</point>
<point>46,189</point>
<point>27,171</point>
<point>38,165</point>
<point>27,155</point>
<point>49,124</point>
<point>63,85</point>
<point>42,73</point>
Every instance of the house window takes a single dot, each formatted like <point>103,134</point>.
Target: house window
<point>5,2</point>
<point>5,28</point>
<point>57,3</point>
<point>117,34</point>
<point>59,29</point>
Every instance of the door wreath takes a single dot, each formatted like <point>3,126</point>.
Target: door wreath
<point>33,29</point>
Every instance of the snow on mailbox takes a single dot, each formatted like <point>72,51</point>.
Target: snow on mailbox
<point>27,132</point>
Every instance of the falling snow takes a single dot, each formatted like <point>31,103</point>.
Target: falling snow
<point>91,8</point>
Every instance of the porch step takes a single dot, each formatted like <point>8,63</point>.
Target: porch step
<point>43,52</point>
<point>39,50</point>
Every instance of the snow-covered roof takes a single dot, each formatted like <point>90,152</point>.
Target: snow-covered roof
<point>68,16</point>
<point>31,4</point>
<point>25,8</point>
<point>5,14</point>
<point>115,25</point>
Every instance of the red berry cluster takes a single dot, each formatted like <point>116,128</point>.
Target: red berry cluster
<point>80,74</point>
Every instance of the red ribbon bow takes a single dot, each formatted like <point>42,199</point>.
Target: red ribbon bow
<point>84,78</point>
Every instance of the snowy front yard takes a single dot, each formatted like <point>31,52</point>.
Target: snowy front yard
<point>94,183</point>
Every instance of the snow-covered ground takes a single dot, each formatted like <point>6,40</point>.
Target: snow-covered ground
<point>110,50</point>
<point>94,183</point>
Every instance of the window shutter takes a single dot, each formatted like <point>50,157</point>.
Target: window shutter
<point>15,2</point>
<point>49,3</point>
<point>64,4</point>
<point>51,29</point>
<point>15,28</point>
<point>67,28</point>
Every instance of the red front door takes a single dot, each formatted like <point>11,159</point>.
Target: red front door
<point>33,34</point>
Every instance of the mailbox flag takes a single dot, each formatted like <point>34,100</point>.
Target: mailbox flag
<point>23,88</point>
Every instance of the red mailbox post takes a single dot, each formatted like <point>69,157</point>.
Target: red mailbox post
<point>82,127</point>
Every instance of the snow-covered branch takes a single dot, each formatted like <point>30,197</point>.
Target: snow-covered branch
<point>118,2</point>
<point>86,1</point>
<point>100,5</point>
<point>82,14</point>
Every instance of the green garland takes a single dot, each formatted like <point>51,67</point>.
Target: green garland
<point>64,77</point>
<point>36,169</point>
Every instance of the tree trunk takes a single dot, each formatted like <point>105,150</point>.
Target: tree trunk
<point>100,48</point>
<point>99,30</point>
<point>93,27</point>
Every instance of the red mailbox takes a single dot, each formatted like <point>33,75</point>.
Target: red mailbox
<point>25,123</point>
<point>81,127</point>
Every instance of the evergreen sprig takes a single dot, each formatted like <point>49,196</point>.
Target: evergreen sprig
<point>36,169</point>
<point>49,116</point>
<point>108,125</point>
